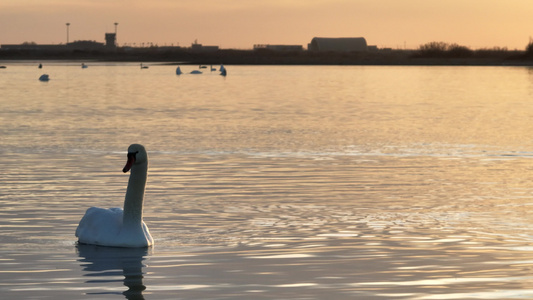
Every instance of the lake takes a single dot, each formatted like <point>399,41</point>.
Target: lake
<point>274,182</point>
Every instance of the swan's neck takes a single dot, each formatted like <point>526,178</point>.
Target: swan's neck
<point>133,204</point>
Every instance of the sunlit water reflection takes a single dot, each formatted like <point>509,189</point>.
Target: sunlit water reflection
<point>271,183</point>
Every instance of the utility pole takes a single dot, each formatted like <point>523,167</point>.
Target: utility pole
<point>68,24</point>
<point>116,24</point>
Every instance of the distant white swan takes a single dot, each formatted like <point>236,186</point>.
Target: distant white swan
<point>44,77</point>
<point>116,227</point>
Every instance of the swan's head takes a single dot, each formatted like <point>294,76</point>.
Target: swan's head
<point>136,155</point>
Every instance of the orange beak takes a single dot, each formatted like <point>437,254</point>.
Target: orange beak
<point>131,161</point>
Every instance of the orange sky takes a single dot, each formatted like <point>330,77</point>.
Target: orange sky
<point>243,23</point>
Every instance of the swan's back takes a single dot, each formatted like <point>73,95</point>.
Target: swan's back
<point>99,226</point>
<point>104,227</point>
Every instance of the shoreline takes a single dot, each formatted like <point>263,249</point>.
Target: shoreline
<point>254,57</point>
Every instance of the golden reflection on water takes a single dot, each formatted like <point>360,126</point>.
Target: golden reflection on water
<point>359,182</point>
<point>404,227</point>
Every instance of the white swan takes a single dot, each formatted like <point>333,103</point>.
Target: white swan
<point>223,71</point>
<point>116,227</point>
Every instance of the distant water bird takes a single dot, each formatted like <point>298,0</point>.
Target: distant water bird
<point>117,227</point>
<point>178,71</point>
<point>83,66</point>
<point>224,72</point>
<point>143,67</point>
<point>202,67</point>
<point>3,67</point>
<point>40,66</point>
<point>44,77</point>
<point>213,69</point>
<point>222,68</point>
<point>196,72</point>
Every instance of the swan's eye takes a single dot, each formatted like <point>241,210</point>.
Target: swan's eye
<point>133,155</point>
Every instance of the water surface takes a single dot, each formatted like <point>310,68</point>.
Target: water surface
<point>271,183</point>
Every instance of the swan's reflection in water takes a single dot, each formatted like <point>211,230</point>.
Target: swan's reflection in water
<point>113,263</point>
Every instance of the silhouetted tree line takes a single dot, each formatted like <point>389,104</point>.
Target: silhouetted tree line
<point>529,49</point>
<point>445,50</point>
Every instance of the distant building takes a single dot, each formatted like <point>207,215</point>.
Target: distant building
<point>111,40</point>
<point>201,48</point>
<point>279,47</point>
<point>337,44</point>
<point>85,45</point>
<point>33,47</point>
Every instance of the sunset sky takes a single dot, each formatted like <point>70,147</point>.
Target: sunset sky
<point>243,23</point>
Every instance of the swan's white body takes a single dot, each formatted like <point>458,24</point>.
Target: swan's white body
<point>118,227</point>
<point>223,71</point>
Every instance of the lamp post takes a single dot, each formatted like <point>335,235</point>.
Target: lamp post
<point>68,24</point>
<point>116,24</point>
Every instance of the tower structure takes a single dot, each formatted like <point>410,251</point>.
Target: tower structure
<point>110,40</point>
